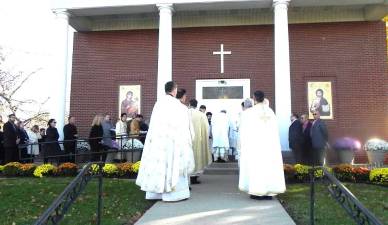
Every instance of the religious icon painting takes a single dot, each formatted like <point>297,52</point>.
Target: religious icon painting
<point>129,100</point>
<point>320,99</point>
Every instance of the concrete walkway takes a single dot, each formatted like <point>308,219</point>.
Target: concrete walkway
<point>217,201</point>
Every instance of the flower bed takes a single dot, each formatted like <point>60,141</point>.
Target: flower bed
<point>343,172</point>
<point>15,169</point>
<point>45,170</point>
<point>292,173</point>
<point>379,176</point>
<point>67,169</point>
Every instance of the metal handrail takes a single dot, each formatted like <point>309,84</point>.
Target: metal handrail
<point>56,211</point>
<point>353,207</point>
<point>107,149</point>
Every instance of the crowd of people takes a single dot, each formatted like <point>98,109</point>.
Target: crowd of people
<point>308,140</point>
<point>104,135</point>
<point>13,136</point>
<point>183,140</point>
<point>18,144</point>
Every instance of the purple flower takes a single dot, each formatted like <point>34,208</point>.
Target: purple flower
<point>347,143</point>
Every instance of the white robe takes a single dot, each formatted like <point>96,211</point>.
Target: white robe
<point>33,139</point>
<point>121,132</point>
<point>167,159</point>
<point>261,163</point>
<point>220,130</point>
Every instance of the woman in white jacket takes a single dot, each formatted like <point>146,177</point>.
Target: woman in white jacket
<point>121,136</point>
<point>33,136</point>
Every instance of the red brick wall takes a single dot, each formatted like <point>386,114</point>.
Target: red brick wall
<point>104,60</point>
<point>351,55</point>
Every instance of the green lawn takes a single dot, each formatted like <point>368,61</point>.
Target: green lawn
<point>22,200</point>
<point>327,210</point>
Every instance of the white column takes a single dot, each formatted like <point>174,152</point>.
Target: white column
<point>58,98</point>
<point>165,47</point>
<point>282,70</point>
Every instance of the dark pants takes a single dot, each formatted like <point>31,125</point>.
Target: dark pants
<point>297,151</point>
<point>70,149</point>
<point>318,156</point>
<point>1,154</point>
<point>11,154</point>
<point>101,149</point>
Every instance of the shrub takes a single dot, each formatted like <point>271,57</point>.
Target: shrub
<point>45,169</point>
<point>361,174</point>
<point>110,170</point>
<point>27,169</point>
<point>12,169</point>
<point>94,168</point>
<point>135,167</point>
<point>302,172</point>
<point>289,172</point>
<point>379,176</point>
<point>67,169</point>
<point>318,173</point>
<point>124,169</point>
<point>344,172</point>
<point>1,169</point>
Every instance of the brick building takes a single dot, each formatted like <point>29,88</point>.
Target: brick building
<point>280,47</point>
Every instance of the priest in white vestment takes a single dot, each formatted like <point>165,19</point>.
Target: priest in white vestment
<point>202,155</point>
<point>261,163</point>
<point>246,104</point>
<point>220,134</point>
<point>167,159</point>
<point>233,135</point>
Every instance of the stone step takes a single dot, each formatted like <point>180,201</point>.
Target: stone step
<point>223,165</point>
<point>221,171</point>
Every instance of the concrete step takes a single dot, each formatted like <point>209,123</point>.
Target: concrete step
<point>221,171</point>
<point>223,165</point>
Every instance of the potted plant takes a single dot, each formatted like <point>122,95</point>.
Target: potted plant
<point>376,150</point>
<point>345,148</point>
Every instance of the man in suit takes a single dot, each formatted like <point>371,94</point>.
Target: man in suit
<point>306,147</point>
<point>295,138</point>
<point>319,139</point>
<point>23,143</point>
<point>70,134</point>
<point>11,140</point>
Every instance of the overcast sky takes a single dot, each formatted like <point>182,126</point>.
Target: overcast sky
<point>27,35</point>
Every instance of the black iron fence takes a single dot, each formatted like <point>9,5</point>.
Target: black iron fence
<point>117,149</point>
<point>57,210</point>
<point>353,207</point>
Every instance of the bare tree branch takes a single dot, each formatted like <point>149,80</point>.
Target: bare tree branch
<point>24,81</point>
<point>11,82</point>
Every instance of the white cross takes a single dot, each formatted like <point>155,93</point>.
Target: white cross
<point>222,53</point>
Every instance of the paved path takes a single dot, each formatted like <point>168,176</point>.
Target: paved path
<point>217,201</point>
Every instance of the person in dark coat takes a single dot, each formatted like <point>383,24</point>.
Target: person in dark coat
<point>42,132</point>
<point>70,136</point>
<point>319,139</point>
<point>307,146</point>
<point>95,139</point>
<point>295,138</point>
<point>53,148</point>
<point>23,144</point>
<point>11,140</point>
